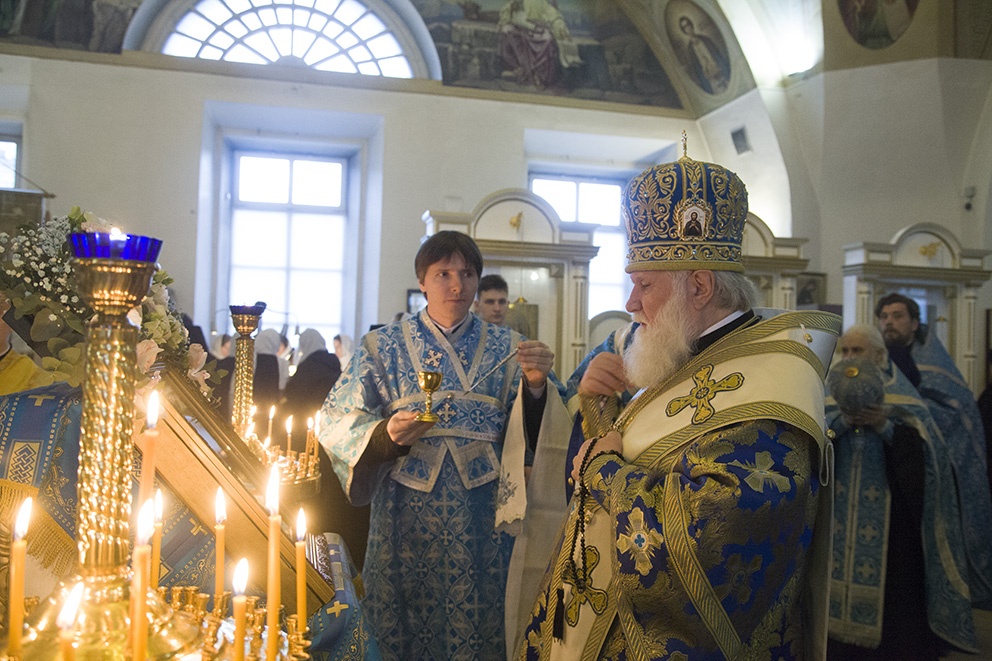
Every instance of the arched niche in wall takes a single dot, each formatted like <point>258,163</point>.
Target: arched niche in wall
<point>927,263</point>
<point>773,263</point>
<point>544,261</point>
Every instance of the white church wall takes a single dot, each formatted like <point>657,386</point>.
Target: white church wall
<point>762,168</point>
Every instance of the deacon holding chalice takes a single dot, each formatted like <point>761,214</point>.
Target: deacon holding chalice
<point>432,426</point>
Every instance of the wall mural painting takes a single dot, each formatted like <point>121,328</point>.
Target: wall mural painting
<point>94,25</point>
<point>699,45</point>
<point>877,24</point>
<point>584,49</point>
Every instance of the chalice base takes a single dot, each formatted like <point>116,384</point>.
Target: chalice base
<point>427,416</point>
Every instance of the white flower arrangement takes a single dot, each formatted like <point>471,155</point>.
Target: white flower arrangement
<point>36,275</point>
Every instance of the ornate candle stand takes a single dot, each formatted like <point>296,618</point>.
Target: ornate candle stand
<point>112,277</point>
<point>245,318</point>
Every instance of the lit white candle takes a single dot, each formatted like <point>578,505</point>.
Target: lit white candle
<point>272,414</point>
<point>140,559</point>
<point>301,569</point>
<point>220,506</point>
<point>157,539</point>
<point>239,583</point>
<point>289,434</point>
<point>273,596</point>
<point>66,622</point>
<point>15,579</point>
<point>150,438</point>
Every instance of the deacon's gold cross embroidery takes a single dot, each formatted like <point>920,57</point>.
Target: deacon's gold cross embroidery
<point>705,390</point>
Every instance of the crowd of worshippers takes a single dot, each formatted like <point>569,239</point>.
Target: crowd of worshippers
<point>713,481</point>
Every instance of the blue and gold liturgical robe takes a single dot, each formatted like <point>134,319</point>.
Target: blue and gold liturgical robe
<point>952,405</point>
<point>707,539</point>
<point>862,516</point>
<point>436,565</point>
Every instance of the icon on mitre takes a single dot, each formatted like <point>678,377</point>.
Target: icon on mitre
<point>693,222</point>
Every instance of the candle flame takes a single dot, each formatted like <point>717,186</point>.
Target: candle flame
<point>146,523</point>
<point>23,517</point>
<point>159,506</point>
<point>250,430</point>
<point>67,616</point>
<point>252,411</point>
<point>272,493</point>
<point>301,526</point>
<point>272,412</point>
<point>240,581</point>
<point>289,425</point>
<point>266,443</point>
<point>220,506</point>
<point>309,424</point>
<point>152,413</point>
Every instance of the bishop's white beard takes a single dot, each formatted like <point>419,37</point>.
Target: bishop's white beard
<point>664,345</point>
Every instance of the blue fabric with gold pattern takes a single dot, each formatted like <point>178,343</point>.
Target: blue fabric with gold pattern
<point>338,630</point>
<point>38,429</point>
<point>685,215</point>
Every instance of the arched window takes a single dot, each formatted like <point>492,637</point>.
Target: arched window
<point>345,36</point>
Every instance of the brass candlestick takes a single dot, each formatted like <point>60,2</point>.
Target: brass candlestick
<point>428,382</point>
<point>111,286</point>
<point>245,318</point>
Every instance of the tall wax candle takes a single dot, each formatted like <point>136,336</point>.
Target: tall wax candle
<point>239,582</point>
<point>273,596</point>
<point>301,570</point>
<point>140,561</point>
<point>272,414</point>
<point>15,579</point>
<point>220,506</point>
<point>66,622</point>
<point>289,434</point>
<point>150,438</point>
<point>156,562</point>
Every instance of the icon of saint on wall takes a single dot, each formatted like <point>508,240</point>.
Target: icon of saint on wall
<point>699,45</point>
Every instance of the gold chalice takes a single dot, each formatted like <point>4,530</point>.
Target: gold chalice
<point>429,382</point>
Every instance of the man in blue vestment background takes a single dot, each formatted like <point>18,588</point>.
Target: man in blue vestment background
<point>898,584</point>
<point>444,495</point>
<point>919,354</point>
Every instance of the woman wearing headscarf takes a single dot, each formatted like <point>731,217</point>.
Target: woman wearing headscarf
<point>344,346</point>
<point>306,390</point>
<point>268,380</point>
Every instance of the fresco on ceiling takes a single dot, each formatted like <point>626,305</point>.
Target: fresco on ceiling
<point>94,25</point>
<point>585,49</point>
<point>698,45</point>
<point>877,24</point>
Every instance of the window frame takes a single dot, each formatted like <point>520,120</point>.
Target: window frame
<point>618,178</point>
<point>16,138</point>
<point>272,149</point>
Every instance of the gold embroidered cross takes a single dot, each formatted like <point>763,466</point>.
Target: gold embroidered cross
<point>336,608</point>
<point>596,598</point>
<point>704,391</point>
<point>40,399</point>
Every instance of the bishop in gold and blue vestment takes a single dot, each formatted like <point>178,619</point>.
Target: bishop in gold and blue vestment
<point>702,531</point>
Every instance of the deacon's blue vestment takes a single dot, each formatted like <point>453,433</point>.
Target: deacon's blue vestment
<point>952,405</point>
<point>865,517</point>
<point>436,568</point>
